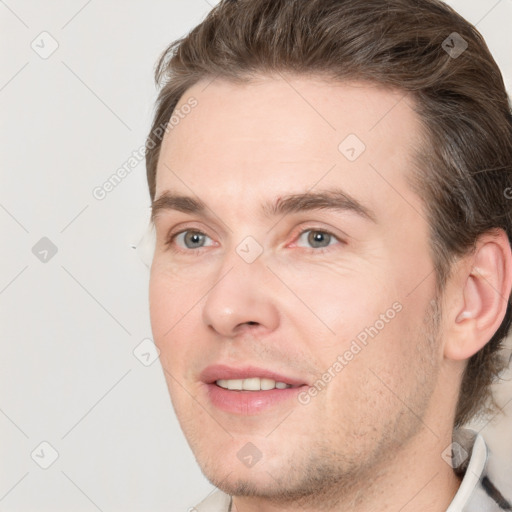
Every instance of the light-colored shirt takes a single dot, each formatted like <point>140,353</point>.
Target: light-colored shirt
<point>478,491</point>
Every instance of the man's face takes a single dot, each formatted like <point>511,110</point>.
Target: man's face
<point>306,292</point>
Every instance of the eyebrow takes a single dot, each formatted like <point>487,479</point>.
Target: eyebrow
<point>336,200</point>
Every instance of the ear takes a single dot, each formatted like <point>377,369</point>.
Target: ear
<point>479,294</point>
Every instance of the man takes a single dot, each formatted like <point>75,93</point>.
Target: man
<point>332,273</point>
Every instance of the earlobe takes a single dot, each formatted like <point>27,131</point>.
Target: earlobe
<point>486,281</point>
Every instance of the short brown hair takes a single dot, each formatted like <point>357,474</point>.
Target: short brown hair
<point>465,162</point>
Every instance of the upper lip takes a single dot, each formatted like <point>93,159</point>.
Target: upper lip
<point>223,372</point>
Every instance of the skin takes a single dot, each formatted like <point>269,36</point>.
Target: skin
<point>373,438</point>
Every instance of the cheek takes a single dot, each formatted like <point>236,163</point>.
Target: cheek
<point>161,305</point>
<point>168,311</point>
<point>170,300</point>
<point>175,313</point>
<point>378,377</point>
<point>337,302</point>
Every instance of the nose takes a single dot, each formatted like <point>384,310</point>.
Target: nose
<point>242,299</point>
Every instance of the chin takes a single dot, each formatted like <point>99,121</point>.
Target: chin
<point>283,488</point>
<point>250,485</point>
<point>226,468</point>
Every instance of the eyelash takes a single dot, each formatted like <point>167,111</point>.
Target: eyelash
<point>172,236</point>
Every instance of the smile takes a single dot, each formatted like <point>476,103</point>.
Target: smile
<point>248,390</point>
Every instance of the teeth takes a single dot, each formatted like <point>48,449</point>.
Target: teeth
<point>266,384</point>
<point>252,384</point>
<point>235,384</point>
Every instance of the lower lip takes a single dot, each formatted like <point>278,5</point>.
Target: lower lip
<point>249,402</point>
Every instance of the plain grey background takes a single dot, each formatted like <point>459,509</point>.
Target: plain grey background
<point>76,96</point>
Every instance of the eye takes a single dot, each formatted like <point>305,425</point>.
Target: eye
<point>316,238</point>
<point>189,239</point>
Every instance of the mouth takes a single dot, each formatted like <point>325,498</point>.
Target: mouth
<point>249,390</point>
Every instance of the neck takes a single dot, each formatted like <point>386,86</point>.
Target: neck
<point>414,479</point>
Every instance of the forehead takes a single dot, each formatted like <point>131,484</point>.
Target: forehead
<point>286,134</point>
